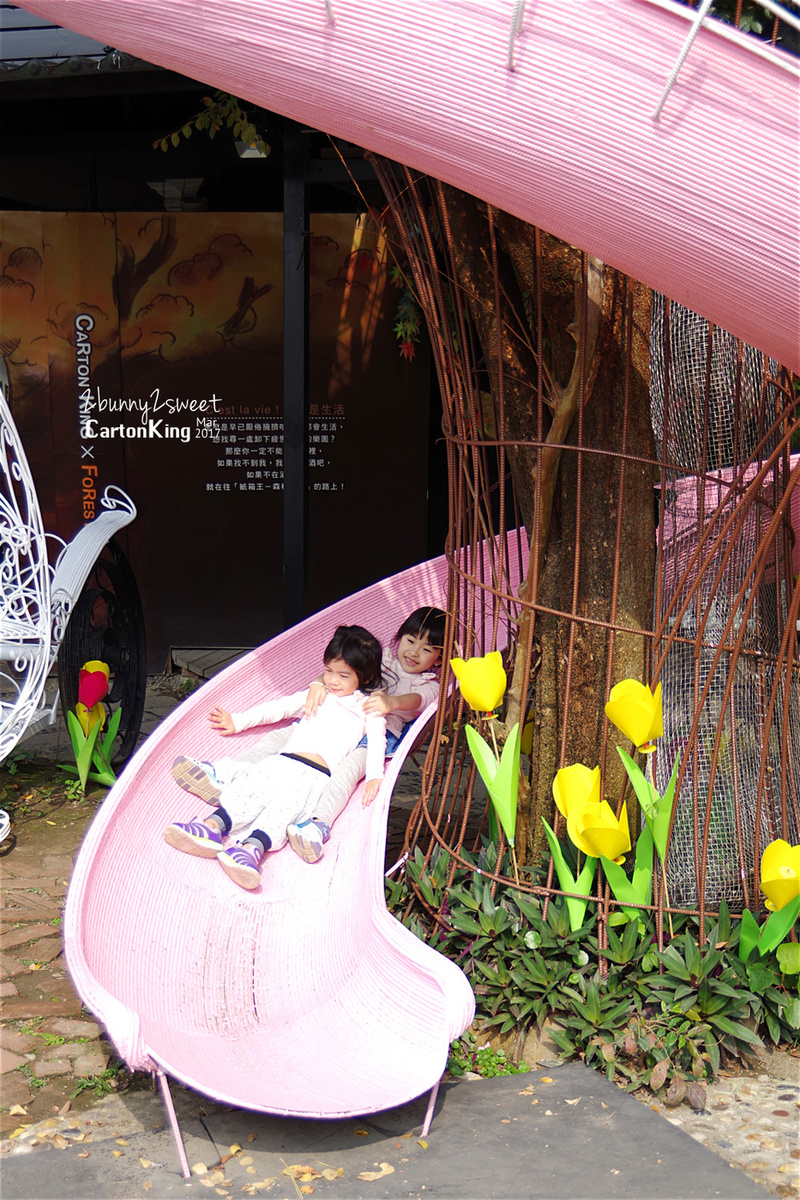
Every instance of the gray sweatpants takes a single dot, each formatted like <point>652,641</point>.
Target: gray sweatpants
<point>336,792</point>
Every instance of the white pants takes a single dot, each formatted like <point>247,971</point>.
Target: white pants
<point>270,795</point>
<point>336,790</point>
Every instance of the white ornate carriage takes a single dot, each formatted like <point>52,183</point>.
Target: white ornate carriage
<point>81,594</point>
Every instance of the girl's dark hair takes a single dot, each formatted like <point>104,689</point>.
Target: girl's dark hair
<point>422,621</point>
<point>360,650</point>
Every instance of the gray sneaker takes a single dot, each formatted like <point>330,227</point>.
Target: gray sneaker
<point>197,778</point>
<point>307,840</point>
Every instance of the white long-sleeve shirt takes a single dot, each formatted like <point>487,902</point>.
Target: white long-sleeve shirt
<point>335,729</point>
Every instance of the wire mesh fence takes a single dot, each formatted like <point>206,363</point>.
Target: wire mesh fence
<point>620,481</point>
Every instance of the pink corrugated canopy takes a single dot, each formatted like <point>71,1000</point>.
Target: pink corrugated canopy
<point>700,202</point>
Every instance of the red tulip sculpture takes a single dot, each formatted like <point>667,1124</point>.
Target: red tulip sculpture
<point>86,724</point>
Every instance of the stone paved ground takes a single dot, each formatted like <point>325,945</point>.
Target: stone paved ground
<point>51,1049</point>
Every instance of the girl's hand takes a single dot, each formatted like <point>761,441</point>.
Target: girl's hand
<point>371,791</point>
<point>221,720</point>
<point>316,696</point>
<point>378,703</point>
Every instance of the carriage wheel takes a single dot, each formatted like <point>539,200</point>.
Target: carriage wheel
<point>107,623</point>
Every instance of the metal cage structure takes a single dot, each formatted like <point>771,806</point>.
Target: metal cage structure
<point>714,479</point>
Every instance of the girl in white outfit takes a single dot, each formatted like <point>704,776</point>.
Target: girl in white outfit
<point>259,803</point>
<point>410,671</point>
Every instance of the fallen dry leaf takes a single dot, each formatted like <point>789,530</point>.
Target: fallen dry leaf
<point>575,1101</point>
<point>62,1112</point>
<point>17,1110</point>
<point>145,1163</point>
<point>331,1173</point>
<point>369,1176</point>
<point>548,1112</point>
<point>360,1133</point>
<point>423,1143</point>
<point>122,1142</point>
<point>147,1185</point>
<point>117,1153</point>
<point>251,1137</point>
<point>306,1190</point>
<point>235,1148</point>
<point>527,1092</point>
<point>59,1142</point>
<point>505,1121</point>
<point>200,1168</point>
<point>84,1154</point>
<point>217,1176</point>
<point>301,1172</point>
<point>79,1137</point>
<point>245,1160</point>
<point>206,1182</point>
<point>546,1079</point>
<point>534,1101</point>
<point>221,1191</point>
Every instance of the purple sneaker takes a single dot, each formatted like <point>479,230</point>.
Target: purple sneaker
<point>241,865</point>
<point>197,778</point>
<point>193,838</point>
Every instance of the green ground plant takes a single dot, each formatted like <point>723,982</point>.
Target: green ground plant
<point>665,1020</point>
<point>101,1085</point>
<point>467,1055</point>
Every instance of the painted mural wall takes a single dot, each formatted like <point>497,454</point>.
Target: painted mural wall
<point>147,351</point>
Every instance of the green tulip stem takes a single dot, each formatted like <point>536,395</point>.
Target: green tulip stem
<point>492,720</point>
<point>651,771</point>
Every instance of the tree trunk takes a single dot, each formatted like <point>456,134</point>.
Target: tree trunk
<point>582,358</point>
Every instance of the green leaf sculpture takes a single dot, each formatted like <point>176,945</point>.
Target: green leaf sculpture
<point>769,935</point>
<point>639,889</point>
<point>576,907</point>
<point>657,809</point>
<point>501,779</point>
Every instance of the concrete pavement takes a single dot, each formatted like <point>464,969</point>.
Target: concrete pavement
<point>558,1132</point>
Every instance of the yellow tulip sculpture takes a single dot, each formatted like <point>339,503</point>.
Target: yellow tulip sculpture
<point>575,788</point>
<point>86,723</point>
<point>780,883</point>
<point>595,830</point>
<point>483,684</point>
<point>636,712</point>
<point>482,680</point>
<point>780,874</point>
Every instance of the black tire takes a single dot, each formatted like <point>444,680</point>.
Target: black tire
<point>107,623</point>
